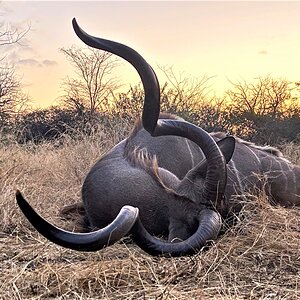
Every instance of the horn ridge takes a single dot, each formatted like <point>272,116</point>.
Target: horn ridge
<point>208,229</point>
<point>148,77</point>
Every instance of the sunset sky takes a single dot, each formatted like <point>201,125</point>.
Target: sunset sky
<point>227,40</point>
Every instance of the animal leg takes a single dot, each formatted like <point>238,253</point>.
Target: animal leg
<point>77,214</point>
<point>286,199</point>
<point>73,211</point>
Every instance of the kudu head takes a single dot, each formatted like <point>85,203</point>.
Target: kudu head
<point>203,186</point>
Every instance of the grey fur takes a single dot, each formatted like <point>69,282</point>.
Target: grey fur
<point>147,172</point>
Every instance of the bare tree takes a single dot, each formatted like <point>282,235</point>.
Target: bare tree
<point>181,93</point>
<point>266,96</point>
<point>12,99</point>
<point>268,109</point>
<point>9,35</point>
<point>90,90</point>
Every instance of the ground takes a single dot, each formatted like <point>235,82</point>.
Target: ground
<point>258,258</point>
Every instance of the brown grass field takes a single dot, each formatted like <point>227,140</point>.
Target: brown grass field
<point>258,258</point>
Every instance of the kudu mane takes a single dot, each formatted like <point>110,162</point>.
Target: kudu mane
<point>138,126</point>
<point>139,157</point>
<point>268,149</point>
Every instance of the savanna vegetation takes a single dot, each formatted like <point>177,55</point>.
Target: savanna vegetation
<point>266,110</point>
<point>46,154</point>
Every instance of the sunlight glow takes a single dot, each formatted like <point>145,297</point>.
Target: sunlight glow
<point>226,40</point>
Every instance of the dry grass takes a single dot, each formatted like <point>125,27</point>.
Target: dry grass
<point>259,258</point>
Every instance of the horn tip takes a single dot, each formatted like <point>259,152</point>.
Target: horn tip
<point>74,23</point>
<point>20,199</point>
<point>19,196</point>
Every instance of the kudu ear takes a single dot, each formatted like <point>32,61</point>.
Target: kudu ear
<point>192,184</point>
<point>227,146</point>
<point>167,179</point>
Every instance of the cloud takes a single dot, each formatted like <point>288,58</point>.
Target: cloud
<point>29,62</point>
<point>49,63</point>
<point>262,52</point>
<point>12,57</point>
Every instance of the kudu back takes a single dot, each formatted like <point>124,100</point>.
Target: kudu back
<point>169,177</point>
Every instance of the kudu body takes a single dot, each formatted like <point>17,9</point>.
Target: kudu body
<point>168,177</point>
<point>255,169</point>
<point>126,176</point>
<point>174,203</point>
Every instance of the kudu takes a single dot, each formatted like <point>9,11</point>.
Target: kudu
<point>168,177</point>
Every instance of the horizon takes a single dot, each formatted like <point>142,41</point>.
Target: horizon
<point>224,40</point>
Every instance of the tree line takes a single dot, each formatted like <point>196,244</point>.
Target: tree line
<point>238,117</point>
